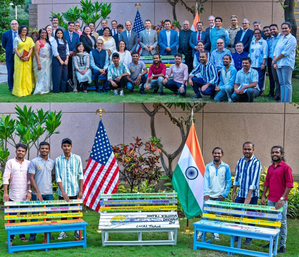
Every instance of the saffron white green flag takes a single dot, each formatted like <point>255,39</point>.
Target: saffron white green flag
<point>188,176</point>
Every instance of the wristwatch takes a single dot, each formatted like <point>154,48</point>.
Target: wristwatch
<point>30,191</point>
<point>282,198</point>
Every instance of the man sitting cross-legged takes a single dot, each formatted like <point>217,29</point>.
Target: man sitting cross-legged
<point>156,75</point>
<point>227,75</point>
<point>204,76</point>
<point>246,87</point>
<point>117,75</point>
<point>138,73</point>
<point>180,76</point>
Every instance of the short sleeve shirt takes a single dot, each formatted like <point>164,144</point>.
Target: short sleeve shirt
<point>43,171</point>
<point>136,69</point>
<point>243,78</point>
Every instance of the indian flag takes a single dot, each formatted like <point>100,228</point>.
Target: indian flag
<point>196,19</point>
<point>188,176</point>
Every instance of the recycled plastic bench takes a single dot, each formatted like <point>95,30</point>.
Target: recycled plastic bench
<point>168,60</point>
<point>139,213</point>
<point>219,217</point>
<point>42,211</point>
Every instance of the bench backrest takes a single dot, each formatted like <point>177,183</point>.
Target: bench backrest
<point>168,60</point>
<point>41,211</point>
<point>259,215</point>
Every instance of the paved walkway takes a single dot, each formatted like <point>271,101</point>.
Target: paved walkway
<point>3,74</point>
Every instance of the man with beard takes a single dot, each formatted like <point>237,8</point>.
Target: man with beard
<point>279,182</point>
<point>247,178</point>
<point>227,74</point>
<point>217,181</point>
<point>41,174</point>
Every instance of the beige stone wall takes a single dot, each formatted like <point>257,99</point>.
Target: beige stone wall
<point>225,125</point>
<point>267,11</point>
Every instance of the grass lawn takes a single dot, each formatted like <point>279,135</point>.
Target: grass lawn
<point>136,97</point>
<point>94,243</point>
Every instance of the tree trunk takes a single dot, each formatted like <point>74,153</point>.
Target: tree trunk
<point>289,14</point>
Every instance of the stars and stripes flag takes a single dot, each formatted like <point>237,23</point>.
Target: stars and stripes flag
<point>101,174</point>
<point>137,27</point>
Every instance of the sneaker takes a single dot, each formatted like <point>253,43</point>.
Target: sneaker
<point>32,238</point>
<point>215,236</point>
<point>115,92</point>
<point>156,91</point>
<point>121,93</point>
<point>199,235</point>
<point>248,241</point>
<point>197,96</point>
<point>62,235</point>
<point>142,92</point>
<point>161,93</point>
<point>76,234</point>
<point>282,250</point>
<point>24,239</point>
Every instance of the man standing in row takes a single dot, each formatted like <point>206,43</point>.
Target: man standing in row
<point>113,27</point>
<point>104,24</point>
<point>55,26</point>
<point>116,37</point>
<point>197,36</point>
<point>148,39</point>
<point>232,32</point>
<point>168,40</point>
<point>208,30</point>
<point>184,46</point>
<point>130,37</point>
<point>245,35</point>
<point>279,182</point>
<point>217,33</point>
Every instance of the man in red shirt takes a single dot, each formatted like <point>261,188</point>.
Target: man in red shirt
<point>279,181</point>
<point>156,75</point>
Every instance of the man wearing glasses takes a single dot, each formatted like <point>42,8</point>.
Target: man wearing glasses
<point>232,32</point>
<point>245,35</point>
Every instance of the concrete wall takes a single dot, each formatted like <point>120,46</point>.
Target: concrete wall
<point>225,125</point>
<point>268,11</point>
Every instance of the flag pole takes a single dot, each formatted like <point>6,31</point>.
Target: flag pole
<point>100,111</point>
<point>138,4</point>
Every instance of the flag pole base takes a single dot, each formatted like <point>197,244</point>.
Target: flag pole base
<point>187,231</point>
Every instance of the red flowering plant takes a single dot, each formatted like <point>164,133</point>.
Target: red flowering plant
<point>138,162</point>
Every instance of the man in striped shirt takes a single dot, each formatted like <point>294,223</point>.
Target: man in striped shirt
<point>69,176</point>
<point>247,178</point>
<point>204,76</point>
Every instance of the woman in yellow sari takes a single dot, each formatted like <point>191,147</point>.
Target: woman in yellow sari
<point>23,75</point>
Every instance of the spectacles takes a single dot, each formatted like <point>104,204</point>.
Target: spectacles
<point>257,33</point>
<point>99,43</point>
<point>219,43</point>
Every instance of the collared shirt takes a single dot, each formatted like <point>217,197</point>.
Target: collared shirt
<point>153,70</point>
<point>168,33</point>
<point>227,77</point>
<point>43,170</point>
<point>207,72</point>
<point>243,34</point>
<point>55,47</point>
<point>258,52</point>
<point>15,175</point>
<point>278,179</point>
<point>14,35</point>
<point>179,73</point>
<point>69,172</point>
<point>217,58</point>
<point>114,72</point>
<point>232,32</point>
<point>286,45</point>
<point>136,69</point>
<point>129,34</point>
<point>244,79</point>
<point>272,44</point>
<point>215,34</point>
<point>93,65</point>
<point>238,59</point>
<point>247,176</point>
<point>217,181</point>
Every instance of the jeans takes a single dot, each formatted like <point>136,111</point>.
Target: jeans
<point>271,77</point>
<point>156,84</point>
<point>250,94</point>
<point>225,93</point>
<point>45,197</point>
<point>285,80</point>
<point>283,228</point>
<point>262,74</point>
<point>13,221</point>
<point>59,76</point>
<point>97,77</point>
<point>130,86</point>
<point>174,86</point>
<point>276,80</point>
<point>198,83</point>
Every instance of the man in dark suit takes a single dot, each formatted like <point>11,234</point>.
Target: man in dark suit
<point>245,35</point>
<point>211,26</point>
<point>55,26</point>
<point>113,27</point>
<point>104,24</point>
<point>72,39</point>
<point>168,39</point>
<point>184,46</point>
<point>116,37</point>
<point>199,35</point>
<point>130,37</point>
<point>7,43</point>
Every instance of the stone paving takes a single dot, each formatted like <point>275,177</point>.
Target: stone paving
<point>3,74</point>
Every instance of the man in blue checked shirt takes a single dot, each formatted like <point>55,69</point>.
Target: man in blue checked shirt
<point>247,178</point>
<point>69,176</point>
<point>217,55</point>
<point>217,181</point>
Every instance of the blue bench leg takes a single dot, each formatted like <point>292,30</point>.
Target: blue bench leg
<point>239,242</point>
<point>276,245</point>
<point>8,242</point>
<point>48,241</point>
<point>232,244</point>
<point>195,239</point>
<point>271,247</point>
<point>85,239</point>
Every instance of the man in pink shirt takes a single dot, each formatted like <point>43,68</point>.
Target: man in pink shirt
<point>15,175</point>
<point>156,75</point>
<point>180,76</point>
<point>279,181</point>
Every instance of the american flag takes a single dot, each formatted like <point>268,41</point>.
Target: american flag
<point>101,174</point>
<point>138,26</point>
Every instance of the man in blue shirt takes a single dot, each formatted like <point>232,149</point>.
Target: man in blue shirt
<point>246,87</point>
<point>217,181</point>
<point>168,40</point>
<point>218,32</point>
<point>227,80</point>
<point>247,178</point>
<point>204,76</point>
<point>217,55</point>
<point>239,55</point>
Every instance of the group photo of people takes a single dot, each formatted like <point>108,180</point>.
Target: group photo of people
<point>224,64</point>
